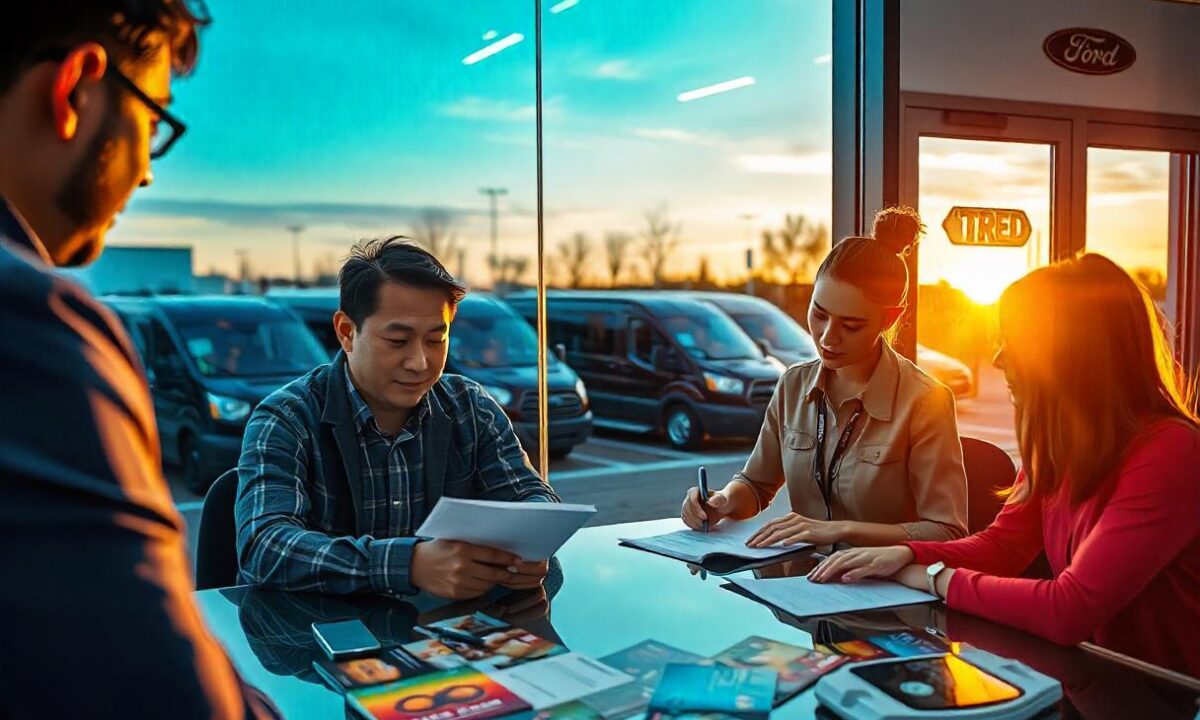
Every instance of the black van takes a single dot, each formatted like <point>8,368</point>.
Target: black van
<point>210,361</point>
<point>661,362</point>
<point>493,346</point>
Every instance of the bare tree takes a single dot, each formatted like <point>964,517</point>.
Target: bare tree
<point>509,269</point>
<point>434,231</point>
<point>704,279</point>
<point>659,240</point>
<point>616,244</point>
<point>572,258</point>
<point>793,250</point>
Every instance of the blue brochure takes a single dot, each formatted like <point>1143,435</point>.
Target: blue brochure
<point>746,693</point>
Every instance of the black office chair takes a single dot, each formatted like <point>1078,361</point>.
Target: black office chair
<point>989,469</point>
<point>216,554</point>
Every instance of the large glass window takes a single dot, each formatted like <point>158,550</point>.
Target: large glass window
<point>687,148</point>
<point>1128,212</point>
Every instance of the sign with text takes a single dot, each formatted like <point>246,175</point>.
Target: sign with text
<point>1090,51</point>
<point>991,227</point>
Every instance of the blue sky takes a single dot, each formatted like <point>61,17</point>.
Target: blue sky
<point>350,117</point>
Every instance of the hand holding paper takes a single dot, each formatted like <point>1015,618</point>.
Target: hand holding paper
<point>533,531</point>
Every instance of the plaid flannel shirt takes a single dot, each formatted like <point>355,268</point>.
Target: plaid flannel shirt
<point>308,519</point>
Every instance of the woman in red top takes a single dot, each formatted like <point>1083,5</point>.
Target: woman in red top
<point>1110,486</point>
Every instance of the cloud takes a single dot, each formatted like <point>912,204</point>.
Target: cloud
<point>616,70</point>
<point>676,135</point>
<point>271,214</point>
<point>473,107</point>
<point>810,163</point>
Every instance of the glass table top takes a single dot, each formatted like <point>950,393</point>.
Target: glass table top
<point>607,597</point>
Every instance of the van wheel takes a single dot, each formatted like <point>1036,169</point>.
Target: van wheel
<point>683,427</point>
<point>191,462</point>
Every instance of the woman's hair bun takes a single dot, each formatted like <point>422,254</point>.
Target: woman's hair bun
<point>897,228</point>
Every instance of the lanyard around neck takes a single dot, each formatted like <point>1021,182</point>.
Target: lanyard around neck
<point>823,476</point>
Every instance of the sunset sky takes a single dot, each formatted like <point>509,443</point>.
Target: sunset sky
<point>350,118</point>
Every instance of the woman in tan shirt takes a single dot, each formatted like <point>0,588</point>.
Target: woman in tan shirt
<point>865,442</point>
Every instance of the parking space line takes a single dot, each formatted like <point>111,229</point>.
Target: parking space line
<point>635,447</point>
<point>190,506</point>
<point>643,468</point>
<point>597,460</point>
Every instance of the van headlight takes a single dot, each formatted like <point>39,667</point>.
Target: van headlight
<point>581,390</point>
<point>724,384</point>
<point>503,396</point>
<point>227,408</point>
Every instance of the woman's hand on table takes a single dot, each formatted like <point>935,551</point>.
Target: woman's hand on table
<point>862,563</point>
<point>792,529</point>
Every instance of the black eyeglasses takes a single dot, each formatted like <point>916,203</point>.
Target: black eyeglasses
<point>161,142</point>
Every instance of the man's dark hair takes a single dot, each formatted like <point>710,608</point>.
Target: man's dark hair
<point>130,30</point>
<point>395,259</point>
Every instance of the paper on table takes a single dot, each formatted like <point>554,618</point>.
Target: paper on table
<point>725,538</point>
<point>531,530</point>
<point>803,598</point>
<point>557,680</point>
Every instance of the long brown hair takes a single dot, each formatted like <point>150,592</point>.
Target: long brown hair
<point>1090,367</point>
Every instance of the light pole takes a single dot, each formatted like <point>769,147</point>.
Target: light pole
<point>749,218</point>
<point>295,230</point>
<point>494,257</point>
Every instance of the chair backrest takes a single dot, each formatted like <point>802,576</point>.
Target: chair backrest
<point>988,469</point>
<point>216,551</point>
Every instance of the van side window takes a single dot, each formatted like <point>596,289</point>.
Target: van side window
<point>165,358</point>
<point>590,330</point>
<point>135,329</point>
<point>643,338</point>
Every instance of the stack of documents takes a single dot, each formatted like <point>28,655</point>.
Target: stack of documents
<point>801,597</point>
<point>530,530</point>
<point>725,539</point>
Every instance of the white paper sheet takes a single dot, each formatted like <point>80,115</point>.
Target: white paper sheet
<point>725,538</point>
<point>531,530</point>
<point>559,679</point>
<point>803,598</point>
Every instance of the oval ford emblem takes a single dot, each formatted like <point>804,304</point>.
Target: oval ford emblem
<point>1090,51</point>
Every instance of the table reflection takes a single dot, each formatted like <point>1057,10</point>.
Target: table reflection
<point>601,598</point>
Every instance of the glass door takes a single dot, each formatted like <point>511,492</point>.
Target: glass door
<point>993,207</point>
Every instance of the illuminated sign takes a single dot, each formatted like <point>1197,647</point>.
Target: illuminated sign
<point>1089,51</point>
<point>991,227</point>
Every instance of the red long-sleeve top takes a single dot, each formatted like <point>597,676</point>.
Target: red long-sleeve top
<point>1126,562</point>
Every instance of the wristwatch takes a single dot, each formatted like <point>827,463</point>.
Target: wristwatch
<point>931,574</point>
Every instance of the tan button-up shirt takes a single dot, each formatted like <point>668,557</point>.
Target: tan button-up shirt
<point>904,463</point>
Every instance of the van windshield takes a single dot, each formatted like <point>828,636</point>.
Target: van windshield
<point>261,346</point>
<point>777,329</point>
<point>710,335</point>
<point>492,340</point>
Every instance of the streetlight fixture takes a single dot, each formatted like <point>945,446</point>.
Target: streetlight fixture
<point>295,230</point>
<point>494,257</point>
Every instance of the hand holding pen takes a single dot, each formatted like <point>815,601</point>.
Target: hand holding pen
<point>700,514</point>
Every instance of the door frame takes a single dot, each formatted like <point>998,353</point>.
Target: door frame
<point>1072,130</point>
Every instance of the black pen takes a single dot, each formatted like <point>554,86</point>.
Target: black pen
<point>702,479</point>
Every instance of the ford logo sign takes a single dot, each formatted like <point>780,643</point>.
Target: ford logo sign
<point>1089,51</point>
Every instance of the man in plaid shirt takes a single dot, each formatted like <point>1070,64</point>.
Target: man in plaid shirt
<point>340,467</point>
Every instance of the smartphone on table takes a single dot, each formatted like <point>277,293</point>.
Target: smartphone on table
<point>342,639</point>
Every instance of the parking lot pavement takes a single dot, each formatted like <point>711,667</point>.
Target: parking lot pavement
<point>634,477</point>
<point>627,477</point>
